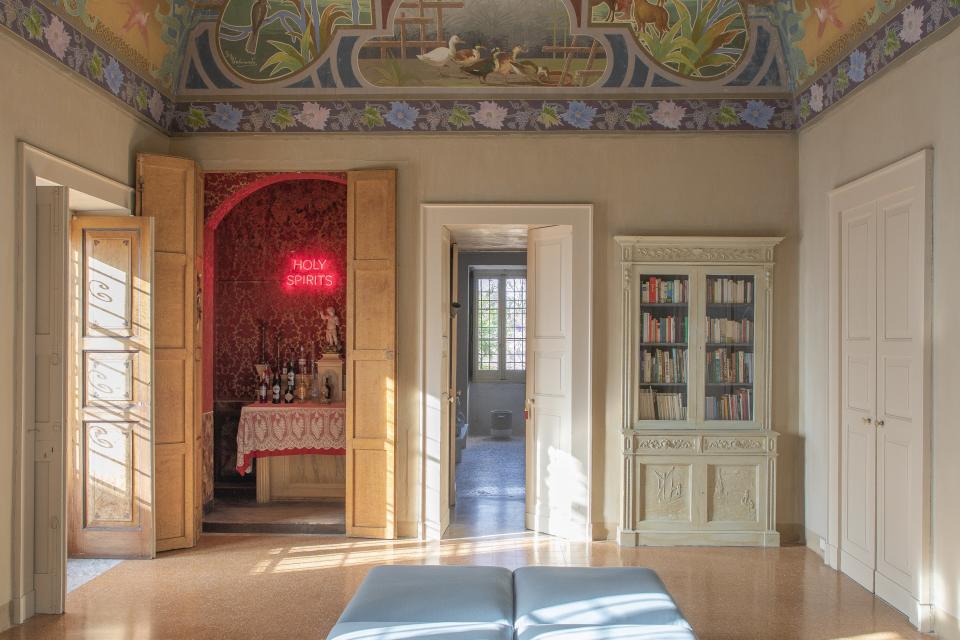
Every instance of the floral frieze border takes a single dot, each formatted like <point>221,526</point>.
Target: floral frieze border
<point>507,115</point>
<point>49,33</point>
<point>914,23</point>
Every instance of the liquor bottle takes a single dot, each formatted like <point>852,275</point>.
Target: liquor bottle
<point>292,376</point>
<point>288,395</point>
<point>302,363</point>
<point>262,392</point>
<point>276,388</point>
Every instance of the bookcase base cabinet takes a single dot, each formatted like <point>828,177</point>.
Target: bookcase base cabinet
<point>704,487</point>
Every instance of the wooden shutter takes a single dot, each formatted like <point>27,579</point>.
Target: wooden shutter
<point>371,354</point>
<point>170,193</point>
<point>109,479</point>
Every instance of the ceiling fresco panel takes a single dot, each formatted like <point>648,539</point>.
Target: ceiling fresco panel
<point>468,65</point>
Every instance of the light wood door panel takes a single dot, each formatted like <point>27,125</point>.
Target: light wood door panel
<point>109,468</point>
<point>550,463</point>
<point>170,193</point>
<point>371,354</point>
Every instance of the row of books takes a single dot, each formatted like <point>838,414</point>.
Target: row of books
<point>663,366</point>
<point>728,366</point>
<point>729,291</point>
<point>661,406</point>
<point>730,406</point>
<point>664,290</point>
<point>724,330</point>
<point>668,329</point>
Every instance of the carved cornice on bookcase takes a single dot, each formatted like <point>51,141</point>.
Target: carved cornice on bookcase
<point>696,249</point>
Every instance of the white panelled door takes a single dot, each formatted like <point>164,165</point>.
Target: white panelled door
<point>551,467</point>
<point>858,431</point>
<point>884,359</point>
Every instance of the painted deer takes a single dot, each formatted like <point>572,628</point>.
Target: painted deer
<point>614,7</point>
<point>645,12</point>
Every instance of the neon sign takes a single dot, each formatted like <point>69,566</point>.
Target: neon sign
<point>313,273</point>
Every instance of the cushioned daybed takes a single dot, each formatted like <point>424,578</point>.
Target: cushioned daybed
<point>491,603</point>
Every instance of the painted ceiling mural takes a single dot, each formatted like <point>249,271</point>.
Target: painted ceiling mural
<point>458,65</point>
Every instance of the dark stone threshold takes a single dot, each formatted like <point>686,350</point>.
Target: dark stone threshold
<point>271,528</point>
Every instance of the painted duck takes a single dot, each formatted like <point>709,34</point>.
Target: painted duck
<point>466,57</point>
<point>484,67</point>
<point>440,56</point>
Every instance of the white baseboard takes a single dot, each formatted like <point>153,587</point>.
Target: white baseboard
<point>603,531</point>
<point>946,626</point>
<point>5,616</point>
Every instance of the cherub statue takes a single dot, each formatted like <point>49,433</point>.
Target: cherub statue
<point>331,330</point>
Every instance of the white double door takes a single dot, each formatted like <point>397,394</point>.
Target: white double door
<point>883,401</point>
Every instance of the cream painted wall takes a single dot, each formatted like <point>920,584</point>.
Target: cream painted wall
<point>656,184</point>
<point>42,105</point>
<point>912,106</point>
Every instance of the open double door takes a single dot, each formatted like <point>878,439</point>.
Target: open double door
<point>134,454</point>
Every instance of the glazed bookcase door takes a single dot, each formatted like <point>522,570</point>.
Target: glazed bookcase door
<point>663,329</point>
<point>733,346</point>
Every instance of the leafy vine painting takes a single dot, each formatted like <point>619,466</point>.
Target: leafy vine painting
<point>268,40</point>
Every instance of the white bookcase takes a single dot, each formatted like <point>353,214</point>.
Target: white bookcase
<point>699,452</point>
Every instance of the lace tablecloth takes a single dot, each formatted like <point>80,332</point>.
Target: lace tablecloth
<point>288,430</point>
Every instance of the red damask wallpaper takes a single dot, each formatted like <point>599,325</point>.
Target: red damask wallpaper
<point>254,246</point>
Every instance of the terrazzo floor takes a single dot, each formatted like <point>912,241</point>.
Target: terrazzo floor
<point>279,587</point>
<point>80,571</point>
<point>490,489</point>
<point>242,514</point>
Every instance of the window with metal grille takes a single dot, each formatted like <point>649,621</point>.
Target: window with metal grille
<point>499,319</point>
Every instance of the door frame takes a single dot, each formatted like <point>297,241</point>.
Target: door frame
<point>431,455</point>
<point>916,168</point>
<point>32,163</point>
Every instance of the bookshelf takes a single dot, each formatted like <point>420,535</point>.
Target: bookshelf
<point>699,450</point>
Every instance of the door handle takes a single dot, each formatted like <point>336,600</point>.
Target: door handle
<point>880,423</point>
<point>867,420</point>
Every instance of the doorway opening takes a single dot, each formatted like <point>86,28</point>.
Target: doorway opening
<point>275,289</point>
<point>488,380</point>
<point>556,346</point>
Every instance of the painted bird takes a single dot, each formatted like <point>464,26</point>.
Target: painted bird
<point>138,18</point>
<point>440,56</point>
<point>826,11</point>
<point>258,13</point>
<point>483,67</point>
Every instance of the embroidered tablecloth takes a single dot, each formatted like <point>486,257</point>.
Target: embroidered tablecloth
<point>288,430</point>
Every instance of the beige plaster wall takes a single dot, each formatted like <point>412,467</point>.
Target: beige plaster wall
<point>651,184</point>
<point>911,107</point>
<point>42,105</point>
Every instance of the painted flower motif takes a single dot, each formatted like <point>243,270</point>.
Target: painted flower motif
<point>757,114</point>
<point>490,115</point>
<point>669,114</point>
<point>226,116</point>
<point>155,105</point>
<point>912,28</point>
<point>313,116</point>
<point>57,37</point>
<point>402,115</point>
<point>113,74</point>
<point>579,114</point>
<point>816,97</point>
<point>548,116</point>
<point>858,63</point>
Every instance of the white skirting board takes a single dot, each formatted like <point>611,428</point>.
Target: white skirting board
<point>4,616</point>
<point>946,626</point>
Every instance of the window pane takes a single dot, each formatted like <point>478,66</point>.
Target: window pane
<point>515,323</point>
<point>488,324</point>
